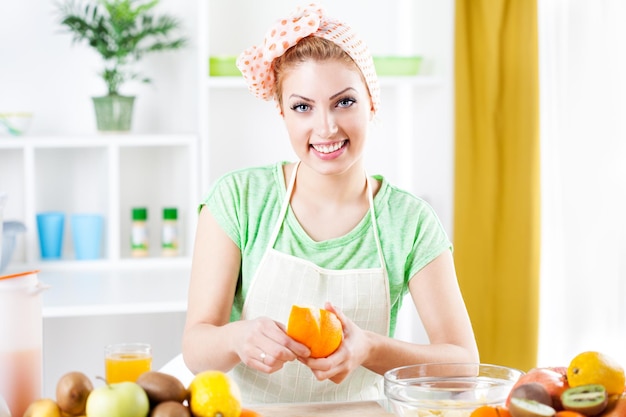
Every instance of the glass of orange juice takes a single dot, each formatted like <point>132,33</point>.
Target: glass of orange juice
<point>126,361</point>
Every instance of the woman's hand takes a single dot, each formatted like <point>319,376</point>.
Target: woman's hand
<point>265,345</point>
<point>350,355</point>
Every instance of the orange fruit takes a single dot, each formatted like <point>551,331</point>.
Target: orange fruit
<point>246,412</point>
<point>616,407</point>
<point>490,411</point>
<point>596,368</point>
<point>568,413</point>
<point>318,329</point>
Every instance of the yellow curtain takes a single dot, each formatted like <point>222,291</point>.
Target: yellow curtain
<point>497,195</point>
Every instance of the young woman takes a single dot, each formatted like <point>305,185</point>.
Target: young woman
<point>318,232</point>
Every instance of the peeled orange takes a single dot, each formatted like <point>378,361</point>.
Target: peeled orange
<point>596,368</point>
<point>318,329</point>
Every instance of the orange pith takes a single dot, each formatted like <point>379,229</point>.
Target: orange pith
<point>318,329</point>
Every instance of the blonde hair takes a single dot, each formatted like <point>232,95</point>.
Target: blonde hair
<point>309,48</point>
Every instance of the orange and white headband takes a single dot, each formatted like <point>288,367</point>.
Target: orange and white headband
<point>255,63</point>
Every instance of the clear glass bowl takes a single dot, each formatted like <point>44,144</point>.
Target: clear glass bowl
<point>447,389</point>
<point>15,124</point>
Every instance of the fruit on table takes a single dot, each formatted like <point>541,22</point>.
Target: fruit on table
<point>162,387</point>
<point>170,409</point>
<point>568,413</point>
<point>318,329</point>
<point>522,407</point>
<point>213,393</point>
<point>490,411</point>
<point>72,391</point>
<point>553,381</point>
<point>121,399</point>
<point>616,406</point>
<point>43,407</point>
<point>532,391</point>
<point>247,412</point>
<point>593,367</point>
<point>589,399</point>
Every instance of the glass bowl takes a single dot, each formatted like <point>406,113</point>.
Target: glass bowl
<point>223,66</point>
<point>447,389</point>
<point>15,124</point>
<point>397,65</point>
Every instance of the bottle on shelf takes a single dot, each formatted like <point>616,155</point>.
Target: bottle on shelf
<point>139,232</point>
<point>169,232</point>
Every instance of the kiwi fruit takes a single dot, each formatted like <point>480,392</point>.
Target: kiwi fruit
<point>170,409</point>
<point>72,391</point>
<point>523,407</point>
<point>162,387</point>
<point>533,391</point>
<point>589,400</point>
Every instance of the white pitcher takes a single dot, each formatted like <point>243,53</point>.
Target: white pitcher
<point>3,201</point>
<point>21,340</point>
<point>4,408</point>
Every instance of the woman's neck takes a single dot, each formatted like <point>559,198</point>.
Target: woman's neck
<point>329,206</point>
<point>347,187</point>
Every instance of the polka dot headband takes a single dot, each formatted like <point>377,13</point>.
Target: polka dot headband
<point>255,63</point>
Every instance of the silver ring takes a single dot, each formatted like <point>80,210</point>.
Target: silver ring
<point>263,356</point>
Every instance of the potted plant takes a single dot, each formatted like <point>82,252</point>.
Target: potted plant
<point>122,32</point>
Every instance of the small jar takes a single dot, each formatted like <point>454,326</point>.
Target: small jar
<point>169,233</point>
<point>139,233</point>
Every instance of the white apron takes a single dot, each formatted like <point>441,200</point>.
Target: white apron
<point>282,280</point>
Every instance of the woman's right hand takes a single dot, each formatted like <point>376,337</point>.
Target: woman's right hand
<point>265,345</point>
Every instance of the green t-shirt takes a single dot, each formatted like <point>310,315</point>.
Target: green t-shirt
<point>246,204</point>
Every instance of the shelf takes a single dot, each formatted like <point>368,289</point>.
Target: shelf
<point>101,288</point>
<point>96,141</point>
<point>107,174</point>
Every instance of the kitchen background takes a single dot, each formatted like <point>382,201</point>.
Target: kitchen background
<point>188,128</point>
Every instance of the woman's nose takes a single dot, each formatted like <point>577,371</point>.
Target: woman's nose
<point>326,126</point>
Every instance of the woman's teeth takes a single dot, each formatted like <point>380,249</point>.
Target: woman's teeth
<point>328,148</point>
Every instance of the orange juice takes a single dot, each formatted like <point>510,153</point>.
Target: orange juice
<point>126,361</point>
<point>20,378</point>
<point>123,366</point>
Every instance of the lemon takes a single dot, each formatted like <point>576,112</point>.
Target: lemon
<point>596,368</point>
<point>213,394</point>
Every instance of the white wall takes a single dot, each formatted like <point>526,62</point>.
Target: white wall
<point>42,71</point>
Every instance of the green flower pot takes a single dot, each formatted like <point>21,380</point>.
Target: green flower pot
<point>113,113</point>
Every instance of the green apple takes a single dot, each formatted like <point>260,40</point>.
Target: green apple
<point>122,399</point>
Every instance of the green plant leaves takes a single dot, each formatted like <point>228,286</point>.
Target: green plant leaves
<point>122,32</point>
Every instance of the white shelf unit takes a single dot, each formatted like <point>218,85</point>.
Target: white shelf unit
<point>125,298</point>
<point>106,174</point>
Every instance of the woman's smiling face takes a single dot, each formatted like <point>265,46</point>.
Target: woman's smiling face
<point>326,109</point>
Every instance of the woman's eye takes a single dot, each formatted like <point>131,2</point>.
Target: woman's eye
<point>346,102</point>
<point>300,107</point>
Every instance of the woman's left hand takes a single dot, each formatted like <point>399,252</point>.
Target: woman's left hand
<point>351,354</point>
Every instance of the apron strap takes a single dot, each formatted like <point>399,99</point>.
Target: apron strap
<point>283,208</point>
<point>370,198</point>
<point>287,199</point>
